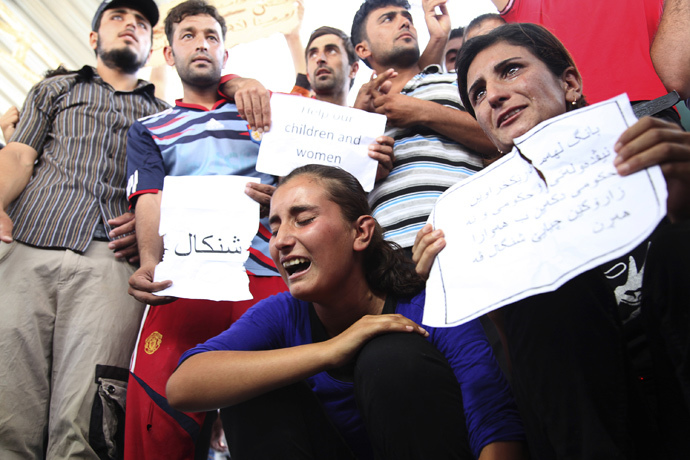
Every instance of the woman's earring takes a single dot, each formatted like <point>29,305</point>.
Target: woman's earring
<point>574,102</point>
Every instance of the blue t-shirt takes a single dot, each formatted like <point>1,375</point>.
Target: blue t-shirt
<point>189,140</point>
<point>281,321</point>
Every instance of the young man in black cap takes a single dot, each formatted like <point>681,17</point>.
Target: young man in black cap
<point>69,325</point>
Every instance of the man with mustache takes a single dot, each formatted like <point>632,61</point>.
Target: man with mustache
<point>68,324</point>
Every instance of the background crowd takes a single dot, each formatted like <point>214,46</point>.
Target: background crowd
<point>597,369</point>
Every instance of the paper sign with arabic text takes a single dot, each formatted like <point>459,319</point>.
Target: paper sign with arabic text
<point>550,210</point>
<point>207,224</point>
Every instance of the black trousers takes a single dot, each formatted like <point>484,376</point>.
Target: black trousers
<point>407,394</point>
<point>666,313</point>
<point>571,374</point>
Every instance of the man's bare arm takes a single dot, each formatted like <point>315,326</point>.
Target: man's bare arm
<point>670,51</point>
<point>141,285</point>
<point>252,100</point>
<point>16,166</point>
<point>294,42</point>
<point>500,4</point>
<point>458,125</point>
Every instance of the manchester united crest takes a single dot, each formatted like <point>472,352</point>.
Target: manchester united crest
<point>153,342</point>
<point>255,136</point>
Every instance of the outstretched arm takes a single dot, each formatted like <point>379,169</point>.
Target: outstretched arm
<point>405,111</point>
<point>222,378</point>
<point>250,96</point>
<point>670,51</point>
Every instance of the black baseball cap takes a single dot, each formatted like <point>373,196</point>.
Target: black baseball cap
<point>146,7</point>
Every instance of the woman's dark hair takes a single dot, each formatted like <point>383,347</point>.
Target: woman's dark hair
<point>539,41</point>
<point>386,268</point>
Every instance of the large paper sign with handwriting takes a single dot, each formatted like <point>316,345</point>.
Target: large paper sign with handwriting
<point>207,224</point>
<point>246,20</point>
<point>552,209</point>
<point>305,131</point>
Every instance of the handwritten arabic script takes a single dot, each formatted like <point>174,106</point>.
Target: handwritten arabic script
<point>550,210</point>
